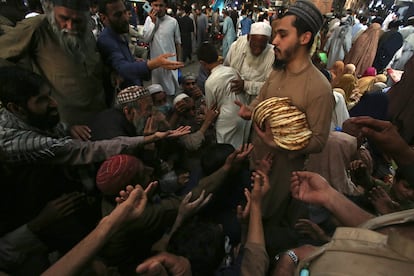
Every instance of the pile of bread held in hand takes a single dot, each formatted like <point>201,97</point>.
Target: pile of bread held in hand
<point>288,124</point>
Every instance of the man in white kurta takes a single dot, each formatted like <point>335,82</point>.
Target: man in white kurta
<point>252,56</point>
<point>230,128</point>
<point>162,32</point>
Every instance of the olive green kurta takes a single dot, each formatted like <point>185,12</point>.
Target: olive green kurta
<point>77,86</point>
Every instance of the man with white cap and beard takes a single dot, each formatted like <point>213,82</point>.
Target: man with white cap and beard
<point>293,76</point>
<point>60,47</point>
<point>252,56</point>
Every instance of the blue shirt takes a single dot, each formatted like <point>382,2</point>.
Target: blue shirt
<point>116,54</point>
<point>245,25</point>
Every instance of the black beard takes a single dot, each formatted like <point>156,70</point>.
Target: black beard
<point>43,122</point>
<point>279,64</point>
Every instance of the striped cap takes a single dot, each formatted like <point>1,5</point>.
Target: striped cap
<point>131,94</point>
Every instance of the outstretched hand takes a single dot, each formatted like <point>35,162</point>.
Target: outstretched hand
<point>180,131</point>
<point>81,132</point>
<point>132,202</point>
<point>309,187</point>
<point>163,62</point>
<point>188,209</point>
<point>236,157</point>
<point>165,264</point>
<point>384,134</point>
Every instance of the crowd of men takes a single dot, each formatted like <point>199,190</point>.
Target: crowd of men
<point>116,163</point>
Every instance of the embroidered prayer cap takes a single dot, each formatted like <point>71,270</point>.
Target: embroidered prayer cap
<point>307,11</point>
<point>179,98</point>
<point>155,88</point>
<point>117,172</point>
<point>131,94</point>
<point>261,28</point>
<point>78,5</point>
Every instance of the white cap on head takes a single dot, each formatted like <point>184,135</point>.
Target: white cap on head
<point>261,28</point>
<point>155,88</point>
<point>169,11</point>
<point>180,97</point>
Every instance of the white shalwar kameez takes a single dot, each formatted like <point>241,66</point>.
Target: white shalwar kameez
<point>162,37</point>
<point>230,127</point>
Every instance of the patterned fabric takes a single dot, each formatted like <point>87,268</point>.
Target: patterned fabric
<point>132,93</point>
<point>22,143</point>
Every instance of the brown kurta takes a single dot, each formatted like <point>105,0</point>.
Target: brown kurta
<point>77,86</point>
<point>310,92</point>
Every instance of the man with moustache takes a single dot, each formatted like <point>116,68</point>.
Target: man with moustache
<point>59,46</point>
<point>113,46</point>
<point>162,32</point>
<point>294,76</point>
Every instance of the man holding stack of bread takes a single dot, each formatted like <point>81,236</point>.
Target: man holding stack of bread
<point>296,78</point>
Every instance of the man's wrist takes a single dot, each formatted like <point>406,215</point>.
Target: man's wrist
<point>288,254</point>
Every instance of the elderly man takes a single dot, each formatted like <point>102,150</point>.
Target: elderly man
<point>252,56</point>
<point>127,118</point>
<point>113,46</point>
<point>162,32</point>
<point>294,76</point>
<point>60,46</point>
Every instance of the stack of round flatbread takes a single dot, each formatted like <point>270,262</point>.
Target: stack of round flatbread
<point>288,124</point>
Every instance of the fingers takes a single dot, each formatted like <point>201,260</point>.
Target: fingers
<point>239,103</point>
<point>150,187</point>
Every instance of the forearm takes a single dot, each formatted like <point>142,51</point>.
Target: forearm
<point>74,261</point>
<point>211,183</point>
<point>77,152</point>
<point>345,211</point>
<point>255,233</point>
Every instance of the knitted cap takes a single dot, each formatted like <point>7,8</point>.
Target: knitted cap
<point>78,5</point>
<point>117,172</point>
<point>131,94</point>
<point>307,11</point>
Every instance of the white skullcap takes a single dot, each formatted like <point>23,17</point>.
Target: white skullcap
<point>180,97</point>
<point>155,88</point>
<point>261,28</point>
<point>169,11</point>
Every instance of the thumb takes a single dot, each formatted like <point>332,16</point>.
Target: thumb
<point>238,103</point>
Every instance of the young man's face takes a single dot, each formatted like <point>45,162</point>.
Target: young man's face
<point>117,17</point>
<point>159,98</point>
<point>286,41</point>
<point>159,7</point>
<point>41,110</point>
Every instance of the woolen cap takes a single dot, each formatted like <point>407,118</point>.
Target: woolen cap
<point>261,28</point>
<point>117,172</point>
<point>78,5</point>
<point>131,94</point>
<point>307,11</point>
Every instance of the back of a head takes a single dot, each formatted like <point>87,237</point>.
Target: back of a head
<point>202,243</point>
<point>214,157</point>
<point>18,85</point>
<point>102,4</point>
<point>207,53</point>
